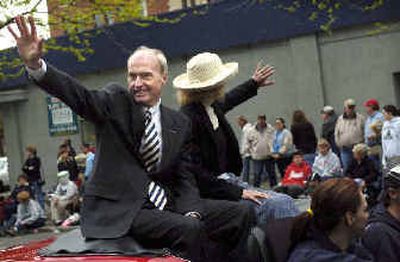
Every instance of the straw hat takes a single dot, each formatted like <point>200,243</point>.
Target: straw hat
<point>205,71</point>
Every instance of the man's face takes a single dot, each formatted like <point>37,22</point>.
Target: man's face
<point>323,149</point>
<point>297,159</point>
<point>261,122</point>
<point>145,79</point>
<point>394,194</point>
<point>240,123</point>
<point>324,116</point>
<point>22,181</point>
<point>360,218</point>
<point>85,150</point>
<point>349,109</point>
<point>369,110</point>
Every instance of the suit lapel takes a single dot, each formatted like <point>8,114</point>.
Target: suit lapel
<point>171,136</point>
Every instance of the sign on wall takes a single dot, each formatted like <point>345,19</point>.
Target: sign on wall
<point>62,120</point>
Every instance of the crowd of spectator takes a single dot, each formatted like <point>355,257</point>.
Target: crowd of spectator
<point>28,208</point>
<point>350,145</point>
<point>351,174</point>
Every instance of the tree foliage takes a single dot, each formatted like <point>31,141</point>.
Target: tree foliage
<point>72,18</point>
<point>325,11</point>
<point>75,17</point>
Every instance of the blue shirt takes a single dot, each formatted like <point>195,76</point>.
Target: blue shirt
<point>278,140</point>
<point>89,164</point>
<point>377,116</point>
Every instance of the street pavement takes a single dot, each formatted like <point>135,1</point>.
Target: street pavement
<point>43,234</point>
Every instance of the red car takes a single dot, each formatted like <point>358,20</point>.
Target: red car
<point>70,248</point>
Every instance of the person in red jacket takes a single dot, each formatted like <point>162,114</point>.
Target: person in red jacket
<point>296,176</point>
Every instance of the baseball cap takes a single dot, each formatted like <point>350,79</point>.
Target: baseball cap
<point>327,109</point>
<point>349,102</point>
<point>371,102</point>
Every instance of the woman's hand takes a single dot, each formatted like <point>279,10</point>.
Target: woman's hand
<point>261,75</point>
<point>254,195</point>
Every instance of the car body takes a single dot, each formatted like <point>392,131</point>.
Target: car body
<point>30,252</point>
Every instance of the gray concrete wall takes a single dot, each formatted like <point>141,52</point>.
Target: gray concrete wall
<point>356,63</point>
<point>311,71</point>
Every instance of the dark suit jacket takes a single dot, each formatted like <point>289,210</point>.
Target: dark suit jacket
<point>204,147</point>
<point>116,190</point>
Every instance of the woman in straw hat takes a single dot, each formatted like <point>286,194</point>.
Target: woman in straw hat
<point>200,92</point>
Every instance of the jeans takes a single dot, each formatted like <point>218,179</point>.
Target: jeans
<point>246,169</point>
<point>36,224</point>
<point>258,166</point>
<point>292,190</point>
<point>309,158</point>
<point>282,164</point>
<point>377,161</point>
<point>275,207</point>
<point>38,193</point>
<point>346,155</point>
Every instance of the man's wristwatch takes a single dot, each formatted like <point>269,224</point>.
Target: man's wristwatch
<point>193,214</point>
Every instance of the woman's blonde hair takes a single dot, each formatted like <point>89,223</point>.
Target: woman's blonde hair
<point>185,97</point>
<point>361,149</point>
<point>323,141</point>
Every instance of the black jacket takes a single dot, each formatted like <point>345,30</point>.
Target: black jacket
<point>69,165</point>
<point>204,147</point>
<point>328,130</point>
<point>365,170</point>
<point>319,248</point>
<point>31,168</point>
<point>304,137</point>
<point>118,186</point>
<point>382,236</point>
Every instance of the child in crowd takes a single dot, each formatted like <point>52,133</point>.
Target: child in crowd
<point>30,215</point>
<point>327,163</point>
<point>296,176</point>
<point>11,203</point>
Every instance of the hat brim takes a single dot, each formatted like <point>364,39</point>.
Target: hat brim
<point>229,70</point>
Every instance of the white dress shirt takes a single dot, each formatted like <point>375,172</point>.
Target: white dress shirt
<point>211,115</point>
<point>39,73</point>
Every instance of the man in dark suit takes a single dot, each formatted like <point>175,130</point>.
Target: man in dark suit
<point>141,183</point>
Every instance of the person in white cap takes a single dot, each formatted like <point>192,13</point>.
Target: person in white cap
<point>200,92</point>
<point>329,119</point>
<point>349,131</point>
<point>66,194</point>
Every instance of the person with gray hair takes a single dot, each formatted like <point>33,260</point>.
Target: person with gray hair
<point>142,186</point>
<point>349,131</point>
<point>362,167</point>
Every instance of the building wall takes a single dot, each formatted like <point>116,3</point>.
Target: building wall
<point>311,71</point>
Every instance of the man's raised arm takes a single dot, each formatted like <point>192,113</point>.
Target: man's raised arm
<point>88,104</point>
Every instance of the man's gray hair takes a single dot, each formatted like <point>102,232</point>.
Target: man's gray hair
<point>157,53</point>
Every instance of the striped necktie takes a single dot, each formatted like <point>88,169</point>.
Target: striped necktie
<point>150,152</point>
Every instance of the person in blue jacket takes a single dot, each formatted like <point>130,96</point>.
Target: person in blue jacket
<point>382,236</point>
<point>328,231</point>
